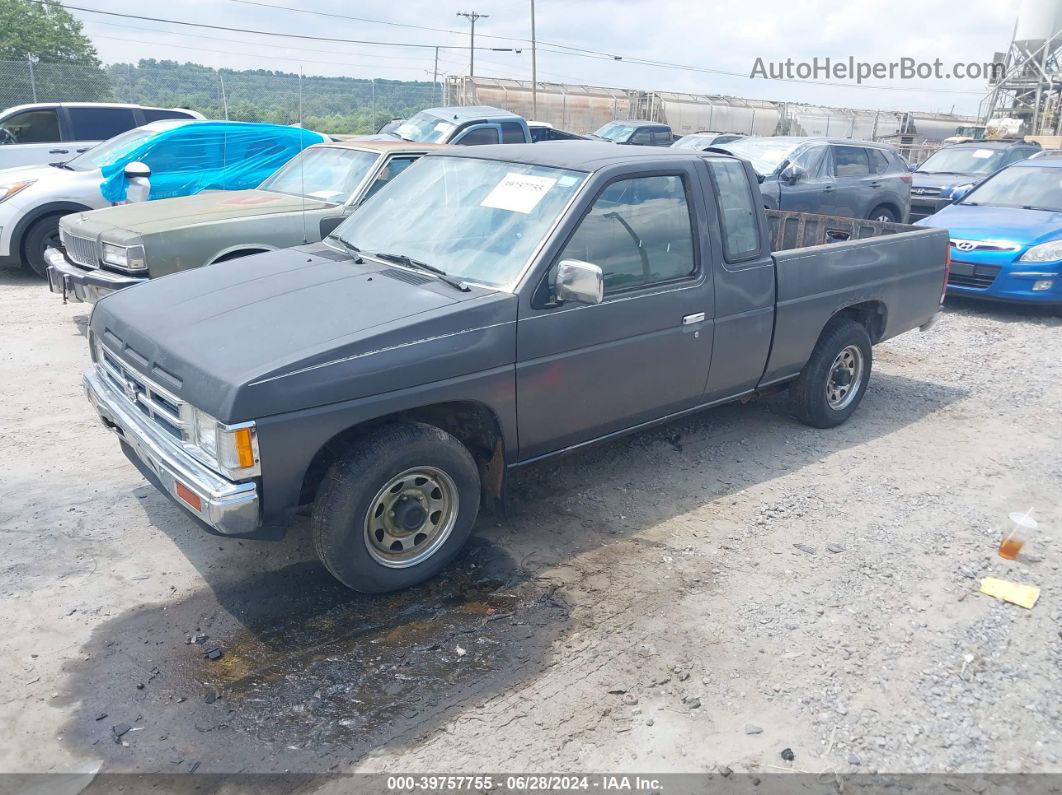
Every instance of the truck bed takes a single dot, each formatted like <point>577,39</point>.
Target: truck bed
<point>893,272</point>
<point>790,229</point>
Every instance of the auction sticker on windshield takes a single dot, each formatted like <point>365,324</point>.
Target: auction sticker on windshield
<point>518,193</point>
<point>982,153</point>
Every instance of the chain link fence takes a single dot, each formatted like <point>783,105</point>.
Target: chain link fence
<point>335,105</point>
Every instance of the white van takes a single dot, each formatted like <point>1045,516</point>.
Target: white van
<point>49,132</point>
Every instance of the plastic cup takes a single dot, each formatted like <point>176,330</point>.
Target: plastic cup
<point>1013,541</point>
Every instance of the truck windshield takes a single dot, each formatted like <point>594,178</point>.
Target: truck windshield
<point>765,154</point>
<point>327,173</point>
<point>425,128</point>
<point>109,151</point>
<point>478,220</point>
<point>964,160</point>
<point>614,131</point>
<point>1036,188</point>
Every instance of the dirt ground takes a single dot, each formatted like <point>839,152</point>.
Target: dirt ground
<point>698,596</point>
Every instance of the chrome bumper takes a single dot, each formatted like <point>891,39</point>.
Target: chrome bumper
<point>230,508</point>
<point>86,285</point>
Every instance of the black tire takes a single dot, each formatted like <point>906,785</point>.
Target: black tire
<point>42,233</point>
<point>808,395</point>
<point>356,482</point>
<point>883,213</point>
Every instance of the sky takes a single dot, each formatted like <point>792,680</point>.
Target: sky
<point>722,37</point>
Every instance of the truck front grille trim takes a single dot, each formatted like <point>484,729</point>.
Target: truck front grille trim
<point>81,250</point>
<point>151,400</point>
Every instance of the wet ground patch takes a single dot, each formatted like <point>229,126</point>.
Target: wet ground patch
<point>311,675</point>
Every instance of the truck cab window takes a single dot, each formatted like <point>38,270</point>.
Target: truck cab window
<point>642,137</point>
<point>738,210</point>
<point>479,136</point>
<point>30,127</point>
<point>639,232</point>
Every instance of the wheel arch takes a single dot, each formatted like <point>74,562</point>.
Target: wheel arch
<point>873,315</point>
<point>891,206</point>
<point>37,213</point>
<point>475,424</point>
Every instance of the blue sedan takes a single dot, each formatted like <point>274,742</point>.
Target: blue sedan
<point>1006,235</point>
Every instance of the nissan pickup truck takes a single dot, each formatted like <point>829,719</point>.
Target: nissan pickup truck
<point>489,309</point>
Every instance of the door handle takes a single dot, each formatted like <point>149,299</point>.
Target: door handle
<point>82,151</point>
<point>827,189</point>
<point>58,151</point>
<point>691,319</point>
<point>875,184</point>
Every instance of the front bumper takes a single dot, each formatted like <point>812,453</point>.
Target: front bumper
<point>1011,283</point>
<point>230,508</point>
<point>79,284</point>
<point>925,206</point>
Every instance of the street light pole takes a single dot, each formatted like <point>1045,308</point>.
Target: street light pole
<point>534,66</point>
<point>472,16</point>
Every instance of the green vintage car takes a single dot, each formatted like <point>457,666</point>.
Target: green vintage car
<point>117,247</point>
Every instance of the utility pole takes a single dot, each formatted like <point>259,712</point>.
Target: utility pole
<point>435,75</point>
<point>534,67</point>
<point>472,16</point>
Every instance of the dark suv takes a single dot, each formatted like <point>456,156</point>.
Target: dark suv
<point>829,176</point>
<point>636,132</point>
<point>950,173</point>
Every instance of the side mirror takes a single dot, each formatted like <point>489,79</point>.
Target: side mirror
<point>139,189</point>
<point>579,281</point>
<point>792,174</point>
<point>137,169</point>
<point>959,193</point>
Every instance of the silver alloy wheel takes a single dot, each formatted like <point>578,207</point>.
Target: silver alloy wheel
<point>883,217</point>
<point>846,373</point>
<point>411,517</point>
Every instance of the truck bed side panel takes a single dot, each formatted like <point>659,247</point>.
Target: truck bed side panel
<point>904,272</point>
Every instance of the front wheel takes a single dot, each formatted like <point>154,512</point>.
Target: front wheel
<point>41,235</point>
<point>834,380</point>
<point>396,507</point>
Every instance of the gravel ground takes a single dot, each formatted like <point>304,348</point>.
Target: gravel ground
<point>699,596</point>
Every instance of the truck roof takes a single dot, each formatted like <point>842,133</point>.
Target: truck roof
<point>573,155</point>
<point>462,113</point>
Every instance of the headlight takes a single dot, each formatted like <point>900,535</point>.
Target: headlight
<point>1045,252</point>
<point>232,448</point>
<point>9,189</point>
<point>130,258</point>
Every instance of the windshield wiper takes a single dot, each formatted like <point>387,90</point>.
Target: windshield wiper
<point>403,259</point>
<point>1044,209</point>
<point>61,164</point>
<point>350,248</point>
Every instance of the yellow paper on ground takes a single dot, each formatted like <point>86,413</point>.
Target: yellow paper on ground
<point>1021,595</point>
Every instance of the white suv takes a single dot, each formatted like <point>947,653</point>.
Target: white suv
<point>47,132</point>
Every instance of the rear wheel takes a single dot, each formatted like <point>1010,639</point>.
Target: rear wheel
<point>396,507</point>
<point>883,213</point>
<point>42,234</point>
<point>834,380</point>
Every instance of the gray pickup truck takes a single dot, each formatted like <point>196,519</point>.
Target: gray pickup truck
<point>487,309</point>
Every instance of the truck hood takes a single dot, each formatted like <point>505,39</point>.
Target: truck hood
<point>1012,224</point>
<point>164,215</point>
<point>296,328</point>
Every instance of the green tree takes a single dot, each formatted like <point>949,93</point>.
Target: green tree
<point>48,33</point>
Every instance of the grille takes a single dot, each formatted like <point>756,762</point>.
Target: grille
<point>987,245</point>
<point>81,250</point>
<point>964,274</point>
<point>925,192</point>
<point>149,398</point>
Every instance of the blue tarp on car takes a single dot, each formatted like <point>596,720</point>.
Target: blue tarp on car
<point>207,156</point>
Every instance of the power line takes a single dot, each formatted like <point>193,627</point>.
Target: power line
<point>585,54</point>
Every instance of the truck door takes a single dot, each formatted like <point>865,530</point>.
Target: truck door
<point>586,370</point>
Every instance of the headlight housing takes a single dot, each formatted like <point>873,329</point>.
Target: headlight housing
<point>1045,252</point>
<point>9,189</point>
<point>232,449</point>
<point>961,190</point>
<point>128,258</point>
